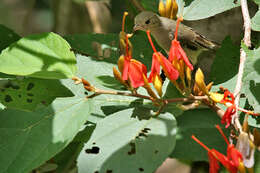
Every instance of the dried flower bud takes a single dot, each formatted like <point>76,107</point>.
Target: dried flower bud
<point>89,88</point>
<point>243,146</point>
<point>256,135</point>
<point>85,82</point>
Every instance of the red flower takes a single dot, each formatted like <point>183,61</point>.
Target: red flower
<point>133,69</point>
<point>227,118</point>
<point>231,162</point>
<point>176,51</point>
<point>228,100</point>
<point>160,60</point>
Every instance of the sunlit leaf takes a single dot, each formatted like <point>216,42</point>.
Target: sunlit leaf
<point>44,55</point>
<point>134,144</point>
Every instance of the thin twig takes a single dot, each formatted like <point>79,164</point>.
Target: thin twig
<point>193,98</point>
<point>247,41</point>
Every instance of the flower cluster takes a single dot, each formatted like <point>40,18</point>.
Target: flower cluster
<point>133,73</point>
<point>233,161</point>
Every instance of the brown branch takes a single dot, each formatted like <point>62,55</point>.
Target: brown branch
<point>247,41</point>
<point>192,98</point>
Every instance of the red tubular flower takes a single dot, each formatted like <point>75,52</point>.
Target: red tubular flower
<point>133,69</point>
<point>160,60</point>
<point>228,100</point>
<point>176,51</point>
<point>230,162</point>
<point>227,118</point>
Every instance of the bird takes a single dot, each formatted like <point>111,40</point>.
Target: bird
<point>163,29</point>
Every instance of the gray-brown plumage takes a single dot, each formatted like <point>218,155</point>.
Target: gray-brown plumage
<point>163,29</point>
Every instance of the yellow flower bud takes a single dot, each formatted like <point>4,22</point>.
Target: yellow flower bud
<point>161,9</point>
<point>199,79</point>
<point>168,8</point>
<point>216,97</point>
<point>174,10</point>
<point>157,83</point>
<point>120,63</point>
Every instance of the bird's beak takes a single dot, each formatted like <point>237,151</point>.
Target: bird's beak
<point>137,27</point>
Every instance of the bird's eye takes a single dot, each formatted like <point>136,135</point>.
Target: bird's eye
<point>147,22</point>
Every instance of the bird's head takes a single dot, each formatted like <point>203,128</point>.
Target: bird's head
<point>146,20</point>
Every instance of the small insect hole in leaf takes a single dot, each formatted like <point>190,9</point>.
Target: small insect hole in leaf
<point>8,98</point>
<point>30,86</point>
<point>29,100</point>
<point>86,93</point>
<point>16,87</point>
<point>109,171</point>
<point>93,150</point>
<point>141,169</point>
<point>133,150</point>
<point>30,94</point>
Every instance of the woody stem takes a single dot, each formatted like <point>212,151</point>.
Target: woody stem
<point>247,41</point>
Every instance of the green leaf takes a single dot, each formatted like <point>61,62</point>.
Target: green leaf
<point>31,93</point>
<point>201,9</point>
<point>44,55</point>
<point>104,47</point>
<point>150,5</point>
<point>28,139</point>
<point>251,77</point>
<point>257,2</point>
<point>226,62</point>
<point>200,123</point>
<point>66,159</point>
<point>121,143</point>
<point>7,37</point>
<point>255,22</point>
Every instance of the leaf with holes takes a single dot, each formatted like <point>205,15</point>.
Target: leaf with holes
<point>251,77</point>
<point>44,55</point>
<point>31,93</point>
<point>121,143</point>
<point>97,72</point>
<point>31,138</point>
<point>200,123</point>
